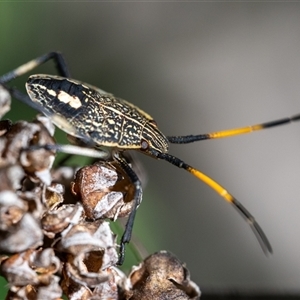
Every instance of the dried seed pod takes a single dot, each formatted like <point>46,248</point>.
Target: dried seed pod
<point>51,291</point>
<point>55,221</point>
<point>53,195</point>
<point>77,269</point>
<point>21,136</point>
<point>22,230</point>
<point>31,194</point>
<point>17,271</point>
<point>44,261</point>
<point>91,236</point>
<point>12,210</point>
<point>11,177</point>
<point>105,190</point>
<point>31,275</point>
<point>91,248</point>
<point>162,276</point>
<point>114,287</point>
<point>75,291</point>
<point>63,174</point>
<point>26,234</point>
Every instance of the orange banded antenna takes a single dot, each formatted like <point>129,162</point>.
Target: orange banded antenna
<point>260,235</point>
<point>231,132</point>
<point>263,240</point>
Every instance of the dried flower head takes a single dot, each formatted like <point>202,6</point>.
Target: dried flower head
<point>53,235</point>
<point>105,190</point>
<point>162,276</point>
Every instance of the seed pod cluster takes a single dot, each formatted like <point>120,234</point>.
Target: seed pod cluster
<point>54,238</point>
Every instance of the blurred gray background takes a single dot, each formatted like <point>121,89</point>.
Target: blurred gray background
<point>196,68</point>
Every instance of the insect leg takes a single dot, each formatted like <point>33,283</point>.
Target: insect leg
<point>137,200</point>
<point>260,235</point>
<point>61,66</point>
<point>231,132</point>
<point>60,62</point>
<point>72,149</point>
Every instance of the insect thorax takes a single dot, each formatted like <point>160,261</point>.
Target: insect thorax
<point>93,113</point>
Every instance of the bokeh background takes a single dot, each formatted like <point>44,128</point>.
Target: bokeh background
<point>197,68</point>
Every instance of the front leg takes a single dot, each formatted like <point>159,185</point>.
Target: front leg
<point>61,67</point>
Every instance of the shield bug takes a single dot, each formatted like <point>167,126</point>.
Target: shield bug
<point>107,126</point>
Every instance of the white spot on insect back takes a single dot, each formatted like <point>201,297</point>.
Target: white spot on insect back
<point>52,93</point>
<point>73,101</point>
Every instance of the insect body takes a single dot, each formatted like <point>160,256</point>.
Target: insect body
<point>101,120</point>
<point>97,115</point>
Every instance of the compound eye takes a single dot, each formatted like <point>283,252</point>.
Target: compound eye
<point>144,145</point>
